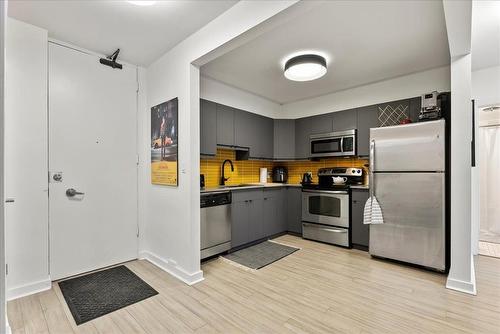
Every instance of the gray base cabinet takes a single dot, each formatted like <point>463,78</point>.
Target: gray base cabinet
<point>360,231</point>
<point>274,211</point>
<point>294,209</point>
<point>257,214</point>
<point>246,216</point>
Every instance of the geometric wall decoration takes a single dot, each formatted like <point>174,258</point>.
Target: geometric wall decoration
<point>389,116</point>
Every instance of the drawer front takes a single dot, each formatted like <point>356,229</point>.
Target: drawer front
<point>246,194</point>
<point>328,234</point>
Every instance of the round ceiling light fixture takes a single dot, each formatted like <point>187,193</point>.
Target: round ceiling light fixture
<point>143,3</point>
<point>305,67</point>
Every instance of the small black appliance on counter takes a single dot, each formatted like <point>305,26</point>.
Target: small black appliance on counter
<point>280,174</point>
<point>202,181</point>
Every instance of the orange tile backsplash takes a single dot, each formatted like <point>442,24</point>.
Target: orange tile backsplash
<point>247,171</point>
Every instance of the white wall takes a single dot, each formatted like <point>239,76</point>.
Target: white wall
<point>458,15</point>
<point>3,18</point>
<point>398,88</point>
<point>383,91</point>
<point>217,91</point>
<point>171,215</point>
<point>26,159</point>
<point>486,86</point>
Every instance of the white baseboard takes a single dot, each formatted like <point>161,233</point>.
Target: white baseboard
<point>463,286</point>
<point>8,330</point>
<point>28,289</point>
<point>172,268</point>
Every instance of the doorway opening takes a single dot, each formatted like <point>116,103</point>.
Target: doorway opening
<point>489,156</point>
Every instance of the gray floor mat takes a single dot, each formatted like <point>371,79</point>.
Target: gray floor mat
<point>96,294</point>
<point>260,255</point>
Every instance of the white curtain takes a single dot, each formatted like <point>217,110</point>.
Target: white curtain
<point>489,155</point>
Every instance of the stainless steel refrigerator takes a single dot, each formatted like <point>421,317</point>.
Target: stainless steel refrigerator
<point>409,184</point>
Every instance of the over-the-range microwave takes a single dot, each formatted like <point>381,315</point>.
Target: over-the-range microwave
<point>333,144</point>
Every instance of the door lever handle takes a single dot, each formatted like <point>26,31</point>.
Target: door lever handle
<point>72,192</point>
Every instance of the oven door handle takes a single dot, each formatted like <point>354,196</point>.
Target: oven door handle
<point>339,192</point>
<point>334,230</point>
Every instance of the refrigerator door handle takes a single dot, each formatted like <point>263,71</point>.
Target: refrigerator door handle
<point>372,168</point>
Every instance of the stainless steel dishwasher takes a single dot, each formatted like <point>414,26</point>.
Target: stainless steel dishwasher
<point>215,223</point>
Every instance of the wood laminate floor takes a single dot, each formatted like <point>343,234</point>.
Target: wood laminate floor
<point>318,289</point>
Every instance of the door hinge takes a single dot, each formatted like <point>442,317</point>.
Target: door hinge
<point>6,269</point>
<point>137,159</point>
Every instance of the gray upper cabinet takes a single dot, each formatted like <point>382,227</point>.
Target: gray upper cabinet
<point>415,105</point>
<point>225,125</point>
<point>321,124</point>
<point>244,124</point>
<point>345,120</point>
<point>208,127</point>
<point>302,133</point>
<point>284,139</point>
<point>367,118</point>
<point>264,134</point>
<point>255,132</point>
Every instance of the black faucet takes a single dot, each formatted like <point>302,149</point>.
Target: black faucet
<point>222,178</point>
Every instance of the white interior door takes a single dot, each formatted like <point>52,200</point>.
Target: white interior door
<point>92,142</point>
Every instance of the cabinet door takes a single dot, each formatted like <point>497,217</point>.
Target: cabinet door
<point>321,123</point>
<point>208,127</point>
<point>415,105</point>
<point>294,209</point>
<point>244,130</point>
<point>239,223</point>
<point>367,118</point>
<point>270,221</point>
<point>225,125</point>
<point>281,215</point>
<point>263,131</point>
<point>284,139</point>
<point>302,133</point>
<point>345,120</point>
<point>256,221</point>
<point>360,231</point>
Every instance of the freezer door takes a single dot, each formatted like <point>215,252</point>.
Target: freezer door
<point>411,147</point>
<point>413,207</point>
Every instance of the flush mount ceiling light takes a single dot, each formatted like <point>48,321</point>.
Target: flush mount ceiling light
<point>143,3</point>
<point>305,67</point>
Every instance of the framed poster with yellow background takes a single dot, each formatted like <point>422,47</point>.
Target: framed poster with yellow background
<point>164,141</point>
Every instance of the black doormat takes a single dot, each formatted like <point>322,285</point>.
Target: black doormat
<point>260,255</point>
<point>94,295</point>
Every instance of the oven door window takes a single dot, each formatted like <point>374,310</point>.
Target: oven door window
<point>332,145</point>
<point>325,206</point>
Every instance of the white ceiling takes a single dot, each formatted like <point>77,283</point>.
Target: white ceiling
<point>143,33</point>
<point>365,41</point>
<point>485,34</point>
